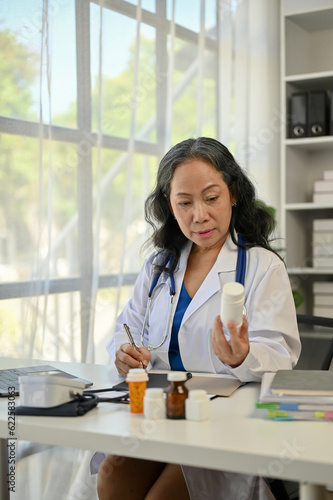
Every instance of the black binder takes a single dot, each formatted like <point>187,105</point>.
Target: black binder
<point>299,114</point>
<point>317,113</point>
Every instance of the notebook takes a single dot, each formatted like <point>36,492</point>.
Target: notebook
<point>219,385</point>
<point>303,382</point>
<point>10,377</point>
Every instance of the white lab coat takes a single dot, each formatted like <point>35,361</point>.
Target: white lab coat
<point>270,309</point>
<point>273,334</point>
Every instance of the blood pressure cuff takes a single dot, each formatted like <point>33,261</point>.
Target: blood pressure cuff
<point>75,408</point>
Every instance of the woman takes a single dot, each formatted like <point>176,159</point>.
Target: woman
<point>202,204</point>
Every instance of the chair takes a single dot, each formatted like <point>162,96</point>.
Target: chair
<point>316,335</point>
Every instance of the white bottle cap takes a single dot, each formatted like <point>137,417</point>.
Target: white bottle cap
<point>154,393</point>
<point>233,291</point>
<point>177,376</point>
<point>137,375</point>
<point>197,394</point>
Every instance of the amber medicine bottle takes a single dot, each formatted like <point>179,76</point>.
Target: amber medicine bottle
<point>176,394</point>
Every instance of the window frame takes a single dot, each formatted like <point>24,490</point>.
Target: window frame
<point>83,132</point>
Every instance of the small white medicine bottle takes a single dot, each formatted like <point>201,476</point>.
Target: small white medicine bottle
<point>197,405</point>
<point>154,404</point>
<point>232,304</point>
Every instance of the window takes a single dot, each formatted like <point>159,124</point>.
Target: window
<point>92,95</point>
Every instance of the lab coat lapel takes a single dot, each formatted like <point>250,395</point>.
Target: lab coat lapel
<point>180,270</point>
<point>225,263</point>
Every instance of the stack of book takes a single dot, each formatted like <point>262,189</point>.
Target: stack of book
<point>322,243</point>
<point>323,299</point>
<point>323,189</point>
<point>297,395</point>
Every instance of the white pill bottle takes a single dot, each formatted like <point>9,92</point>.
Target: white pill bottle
<point>232,304</point>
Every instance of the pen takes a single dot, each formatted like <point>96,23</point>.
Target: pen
<point>131,340</point>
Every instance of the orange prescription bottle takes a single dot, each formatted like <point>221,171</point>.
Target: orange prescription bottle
<point>137,382</point>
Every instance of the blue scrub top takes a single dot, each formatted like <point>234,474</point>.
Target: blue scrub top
<point>175,359</point>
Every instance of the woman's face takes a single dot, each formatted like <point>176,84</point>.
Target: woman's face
<point>201,202</point>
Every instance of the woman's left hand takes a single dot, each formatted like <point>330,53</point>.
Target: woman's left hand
<point>231,352</point>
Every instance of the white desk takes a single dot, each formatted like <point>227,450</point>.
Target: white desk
<point>236,438</point>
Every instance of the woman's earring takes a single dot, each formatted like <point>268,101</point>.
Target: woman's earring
<point>174,217</point>
<point>234,204</point>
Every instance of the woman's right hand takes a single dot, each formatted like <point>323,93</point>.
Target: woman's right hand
<point>127,357</point>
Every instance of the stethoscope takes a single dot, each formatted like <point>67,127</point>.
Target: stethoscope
<point>240,278</point>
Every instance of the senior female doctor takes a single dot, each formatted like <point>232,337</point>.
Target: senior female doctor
<point>207,222</point>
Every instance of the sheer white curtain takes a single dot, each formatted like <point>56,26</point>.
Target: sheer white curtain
<point>219,80</point>
<point>214,72</point>
<point>250,119</point>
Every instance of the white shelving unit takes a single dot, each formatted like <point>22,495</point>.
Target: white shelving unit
<point>306,63</point>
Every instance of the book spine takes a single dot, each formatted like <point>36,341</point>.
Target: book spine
<point>300,414</point>
<point>323,261</point>
<point>322,287</point>
<point>323,224</point>
<point>322,237</point>
<point>323,250</point>
<point>323,186</point>
<point>328,175</point>
<point>325,312</point>
<point>321,300</point>
<point>326,198</point>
